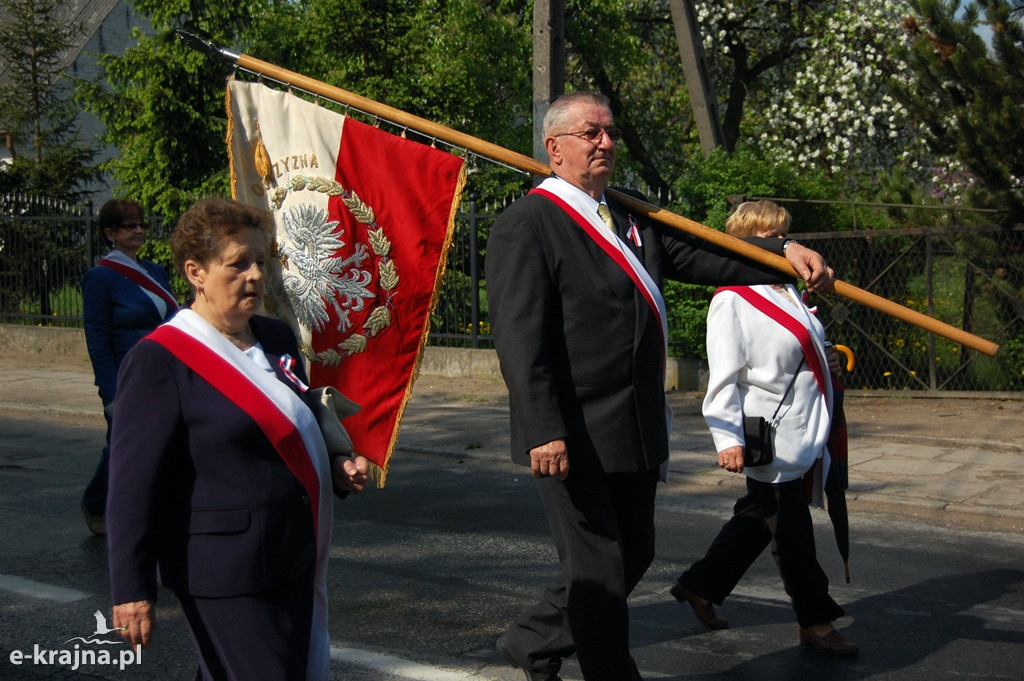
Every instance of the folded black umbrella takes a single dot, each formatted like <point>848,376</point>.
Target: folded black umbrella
<point>838,479</point>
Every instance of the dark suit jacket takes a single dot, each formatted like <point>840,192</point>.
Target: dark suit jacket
<point>195,485</point>
<point>579,348</point>
<point>117,314</point>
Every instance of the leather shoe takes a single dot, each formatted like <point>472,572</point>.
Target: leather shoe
<point>832,643</point>
<point>703,609</point>
<point>97,524</point>
<point>507,655</point>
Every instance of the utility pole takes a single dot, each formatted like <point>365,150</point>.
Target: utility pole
<point>698,80</point>
<point>548,64</point>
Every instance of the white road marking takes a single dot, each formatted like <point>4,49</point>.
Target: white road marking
<point>397,666</point>
<point>28,587</point>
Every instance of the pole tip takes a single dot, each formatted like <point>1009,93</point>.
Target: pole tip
<point>207,47</point>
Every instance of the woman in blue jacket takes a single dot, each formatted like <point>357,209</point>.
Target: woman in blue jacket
<point>124,298</point>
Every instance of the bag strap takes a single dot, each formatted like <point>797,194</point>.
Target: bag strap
<point>788,387</point>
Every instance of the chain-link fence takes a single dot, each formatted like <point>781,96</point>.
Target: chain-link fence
<point>969,277</point>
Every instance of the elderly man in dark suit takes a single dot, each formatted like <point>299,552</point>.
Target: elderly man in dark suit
<point>578,319</point>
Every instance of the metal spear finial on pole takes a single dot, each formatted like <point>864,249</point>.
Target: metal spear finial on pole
<point>207,47</point>
<point>526,164</point>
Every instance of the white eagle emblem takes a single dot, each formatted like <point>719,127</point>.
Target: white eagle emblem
<point>314,278</point>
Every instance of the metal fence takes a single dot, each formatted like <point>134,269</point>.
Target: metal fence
<point>45,248</point>
<point>460,318</point>
<point>969,277</point>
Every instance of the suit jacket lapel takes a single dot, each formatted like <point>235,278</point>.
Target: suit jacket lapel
<point>621,217</point>
<point>562,195</point>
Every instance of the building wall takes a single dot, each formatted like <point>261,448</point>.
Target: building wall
<point>112,35</point>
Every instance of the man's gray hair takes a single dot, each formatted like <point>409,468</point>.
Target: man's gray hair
<point>557,115</point>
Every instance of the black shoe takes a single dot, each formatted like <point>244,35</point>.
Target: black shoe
<point>507,655</point>
<point>97,524</point>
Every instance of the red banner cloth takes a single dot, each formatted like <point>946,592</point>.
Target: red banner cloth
<point>363,222</point>
<point>412,190</point>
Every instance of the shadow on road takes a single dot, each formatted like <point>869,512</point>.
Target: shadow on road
<point>942,627</point>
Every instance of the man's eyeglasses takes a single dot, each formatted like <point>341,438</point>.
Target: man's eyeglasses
<point>594,134</point>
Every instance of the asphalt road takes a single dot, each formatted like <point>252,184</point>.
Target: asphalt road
<point>427,572</point>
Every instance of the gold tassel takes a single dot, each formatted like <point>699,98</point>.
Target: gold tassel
<point>375,473</point>
<point>262,159</point>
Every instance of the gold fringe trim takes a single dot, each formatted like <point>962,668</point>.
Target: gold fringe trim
<point>376,473</point>
<point>230,139</point>
<point>442,265</point>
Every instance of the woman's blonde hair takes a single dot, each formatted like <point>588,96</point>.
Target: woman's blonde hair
<point>752,217</point>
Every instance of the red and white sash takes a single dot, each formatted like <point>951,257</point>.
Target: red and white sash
<point>286,421</point>
<point>161,297</point>
<point>583,210</point>
<point>815,359</point>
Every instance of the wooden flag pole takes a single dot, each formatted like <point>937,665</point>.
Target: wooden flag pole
<point>844,289</point>
<point>524,163</point>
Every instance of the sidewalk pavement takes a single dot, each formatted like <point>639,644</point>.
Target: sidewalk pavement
<point>954,461</point>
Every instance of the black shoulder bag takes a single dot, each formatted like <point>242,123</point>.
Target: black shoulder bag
<point>758,449</point>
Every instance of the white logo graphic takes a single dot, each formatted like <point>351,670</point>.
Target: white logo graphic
<point>101,629</point>
<point>77,655</point>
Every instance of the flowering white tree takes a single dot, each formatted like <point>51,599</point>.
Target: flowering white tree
<point>812,80</point>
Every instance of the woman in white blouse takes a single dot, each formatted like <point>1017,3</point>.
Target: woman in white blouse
<point>758,337</point>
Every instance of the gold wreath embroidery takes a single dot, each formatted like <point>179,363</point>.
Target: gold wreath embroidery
<point>380,317</point>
